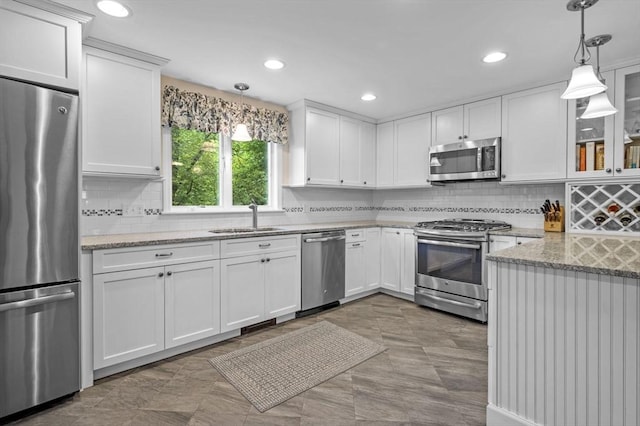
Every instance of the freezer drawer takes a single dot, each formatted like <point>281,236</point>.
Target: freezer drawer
<point>39,354</point>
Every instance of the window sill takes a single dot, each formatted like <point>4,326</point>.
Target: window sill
<point>212,211</point>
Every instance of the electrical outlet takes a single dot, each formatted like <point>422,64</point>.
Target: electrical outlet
<point>133,210</point>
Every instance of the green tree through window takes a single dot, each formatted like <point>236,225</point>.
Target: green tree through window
<point>196,176</point>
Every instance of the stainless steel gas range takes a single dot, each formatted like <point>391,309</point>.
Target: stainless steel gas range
<point>450,265</point>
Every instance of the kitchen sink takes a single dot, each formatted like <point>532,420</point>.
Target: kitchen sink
<point>241,230</point>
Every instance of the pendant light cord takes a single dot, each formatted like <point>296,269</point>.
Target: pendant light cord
<point>582,46</point>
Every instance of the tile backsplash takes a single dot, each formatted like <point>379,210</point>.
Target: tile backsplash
<point>113,206</point>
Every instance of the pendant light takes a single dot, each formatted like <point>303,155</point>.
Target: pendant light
<point>599,105</point>
<point>583,80</point>
<point>241,133</point>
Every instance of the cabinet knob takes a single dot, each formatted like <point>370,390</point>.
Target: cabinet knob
<point>608,170</point>
<point>492,240</point>
<point>519,242</point>
<point>618,170</point>
<point>341,180</point>
<point>169,273</point>
<point>503,176</point>
<point>262,260</point>
<point>157,168</point>
<point>464,136</point>
<point>308,179</point>
<point>161,274</point>
<point>459,138</point>
<point>397,233</point>
<point>365,182</point>
<point>268,260</point>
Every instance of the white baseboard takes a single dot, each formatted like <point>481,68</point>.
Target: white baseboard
<point>497,416</point>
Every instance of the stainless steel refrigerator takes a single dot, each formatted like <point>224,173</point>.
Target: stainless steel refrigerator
<point>39,330</point>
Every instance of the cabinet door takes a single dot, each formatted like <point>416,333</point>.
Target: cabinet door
<point>593,136</point>
<point>372,259</point>
<point>282,284</point>
<point>192,302</point>
<point>391,248</point>
<point>523,240</point>
<point>384,155</point>
<point>241,292</point>
<point>128,315</point>
<point>627,122</point>
<point>482,119</point>
<point>121,115</point>
<point>350,168</point>
<point>408,262</point>
<point>447,126</point>
<point>368,155</point>
<point>412,137</point>
<point>322,148</point>
<point>354,268</point>
<point>39,46</point>
<point>534,135</point>
<point>500,242</point>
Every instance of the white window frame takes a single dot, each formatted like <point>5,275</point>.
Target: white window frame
<point>226,193</point>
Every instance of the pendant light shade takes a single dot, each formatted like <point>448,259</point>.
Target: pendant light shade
<point>241,134</point>
<point>583,83</point>
<point>599,106</point>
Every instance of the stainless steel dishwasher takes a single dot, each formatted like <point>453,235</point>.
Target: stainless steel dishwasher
<point>322,270</point>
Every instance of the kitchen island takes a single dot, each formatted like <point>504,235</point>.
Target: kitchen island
<point>563,332</point>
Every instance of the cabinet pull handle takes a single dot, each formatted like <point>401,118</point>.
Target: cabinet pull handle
<point>161,274</point>
<point>464,136</point>
<point>459,138</point>
<point>341,180</point>
<point>355,235</point>
<point>308,179</point>
<point>262,260</point>
<point>157,168</point>
<point>264,245</point>
<point>618,170</point>
<point>519,242</point>
<point>355,245</point>
<point>608,170</point>
<point>268,260</point>
<point>169,273</point>
<point>164,254</point>
<point>365,182</point>
<point>397,232</point>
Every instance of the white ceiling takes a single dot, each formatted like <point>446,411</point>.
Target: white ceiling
<point>413,54</point>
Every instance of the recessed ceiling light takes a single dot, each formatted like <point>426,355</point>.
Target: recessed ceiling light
<point>494,57</point>
<point>274,64</point>
<point>368,97</point>
<point>113,8</point>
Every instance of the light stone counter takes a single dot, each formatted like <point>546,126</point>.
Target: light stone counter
<point>96,242</point>
<point>522,232</point>
<point>592,253</point>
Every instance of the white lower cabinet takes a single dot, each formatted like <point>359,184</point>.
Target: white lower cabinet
<point>372,259</point>
<point>362,261</point>
<point>355,279</point>
<point>398,260</point>
<point>501,242</point>
<point>192,300</point>
<point>260,286</point>
<point>128,315</point>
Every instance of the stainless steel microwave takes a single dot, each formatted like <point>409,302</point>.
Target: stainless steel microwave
<point>479,159</point>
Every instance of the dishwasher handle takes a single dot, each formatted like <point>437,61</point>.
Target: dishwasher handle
<point>322,240</point>
<point>27,303</point>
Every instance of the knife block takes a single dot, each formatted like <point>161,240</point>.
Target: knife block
<point>557,224</point>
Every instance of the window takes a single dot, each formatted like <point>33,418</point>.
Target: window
<point>209,172</point>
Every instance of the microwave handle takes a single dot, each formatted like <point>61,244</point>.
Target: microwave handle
<point>479,159</point>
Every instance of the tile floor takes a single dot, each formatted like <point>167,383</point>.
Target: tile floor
<point>433,372</point>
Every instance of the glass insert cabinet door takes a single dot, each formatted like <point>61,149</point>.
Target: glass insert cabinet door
<point>591,140</point>
<point>627,134</point>
<point>450,262</point>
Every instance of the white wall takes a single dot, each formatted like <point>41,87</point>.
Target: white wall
<point>105,198</point>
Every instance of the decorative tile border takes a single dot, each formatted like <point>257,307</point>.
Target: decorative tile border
<point>102,212</point>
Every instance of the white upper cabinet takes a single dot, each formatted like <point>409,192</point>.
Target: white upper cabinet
<point>412,150</point>
<point>403,150</point>
<point>534,135</point>
<point>627,122</point>
<point>473,121</point>
<point>41,46</point>
<point>330,149</point>
<point>590,139</point>
<point>120,114</point>
<point>322,147</point>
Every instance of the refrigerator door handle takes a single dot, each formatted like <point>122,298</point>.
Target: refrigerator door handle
<point>20,304</point>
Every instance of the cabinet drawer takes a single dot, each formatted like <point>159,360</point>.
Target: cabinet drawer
<point>143,257</point>
<point>354,235</point>
<point>248,246</point>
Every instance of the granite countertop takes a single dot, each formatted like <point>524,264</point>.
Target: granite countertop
<point>96,242</point>
<point>521,232</point>
<point>592,253</point>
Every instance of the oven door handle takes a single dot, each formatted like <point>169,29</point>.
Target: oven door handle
<point>450,244</point>
<point>476,305</point>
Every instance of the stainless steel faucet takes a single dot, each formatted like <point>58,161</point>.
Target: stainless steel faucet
<point>254,207</point>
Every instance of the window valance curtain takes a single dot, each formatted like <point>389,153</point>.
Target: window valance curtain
<point>195,111</point>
